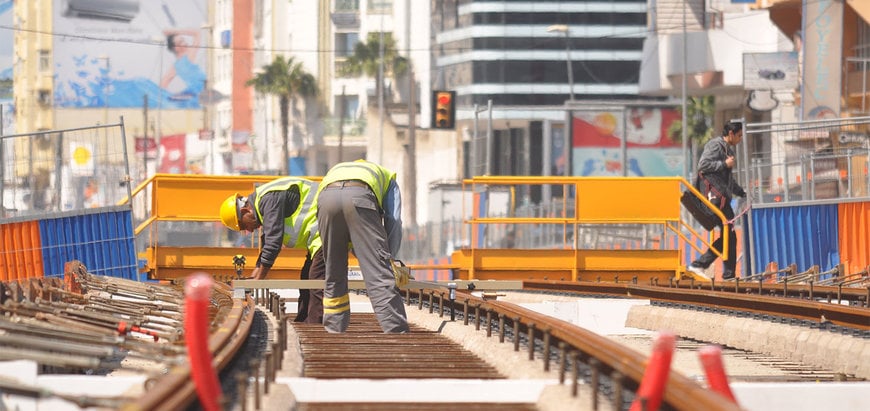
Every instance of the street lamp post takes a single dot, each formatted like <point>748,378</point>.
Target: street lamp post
<point>207,101</point>
<point>563,28</point>
<point>106,87</point>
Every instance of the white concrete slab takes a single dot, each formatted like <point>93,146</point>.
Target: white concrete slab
<point>601,316</point>
<point>809,396</point>
<point>25,372</point>
<point>83,385</point>
<point>416,390</point>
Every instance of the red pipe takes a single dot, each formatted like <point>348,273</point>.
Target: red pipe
<point>711,359</point>
<point>197,290</point>
<point>652,386</point>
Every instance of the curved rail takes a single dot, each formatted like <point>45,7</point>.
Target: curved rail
<point>88,323</point>
<point>176,390</point>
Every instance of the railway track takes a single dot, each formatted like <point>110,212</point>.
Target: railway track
<point>101,326</point>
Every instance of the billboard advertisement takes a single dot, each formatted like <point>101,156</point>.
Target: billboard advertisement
<point>822,48</point>
<point>770,71</point>
<point>648,148</point>
<point>115,53</point>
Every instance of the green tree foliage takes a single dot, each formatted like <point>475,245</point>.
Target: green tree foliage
<point>699,116</point>
<point>289,81</point>
<point>366,61</point>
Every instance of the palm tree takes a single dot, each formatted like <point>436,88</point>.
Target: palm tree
<point>289,81</point>
<point>699,116</point>
<point>365,60</point>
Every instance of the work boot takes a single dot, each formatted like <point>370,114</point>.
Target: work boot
<point>728,275</point>
<point>698,269</point>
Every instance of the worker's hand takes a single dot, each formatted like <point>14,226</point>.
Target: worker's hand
<point>259,273</point>
<point>729,162</point>
<point>402,273</point>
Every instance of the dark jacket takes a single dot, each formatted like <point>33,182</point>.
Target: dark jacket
<point>712,167</point>
<point>274,207</point>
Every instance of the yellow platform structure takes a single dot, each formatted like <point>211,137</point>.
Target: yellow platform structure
<point>595,200</point>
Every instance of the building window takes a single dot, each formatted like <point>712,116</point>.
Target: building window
<point>44,61</point>
<point>380,7</point>
<point>258,18</point>
<point>862,43</point>
<point>346,5</point>
<point>344,43</point>
<point>351,106</point>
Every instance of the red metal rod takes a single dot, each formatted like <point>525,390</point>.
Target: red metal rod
<point>652,386</point>
<point>197,291</point>
<point>711,359</point>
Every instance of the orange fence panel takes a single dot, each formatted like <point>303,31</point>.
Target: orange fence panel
<point>20,251</point>
<point>854,235</point>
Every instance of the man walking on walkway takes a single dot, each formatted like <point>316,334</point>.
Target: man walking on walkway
<point>716,181</point>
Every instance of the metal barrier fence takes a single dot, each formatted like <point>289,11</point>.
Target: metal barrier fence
<point>63,170</point>
<point>808,160</point>
<point>58,191</point>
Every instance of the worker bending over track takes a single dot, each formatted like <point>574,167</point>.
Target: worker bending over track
<point>286,210</point>
<point>359,202</point>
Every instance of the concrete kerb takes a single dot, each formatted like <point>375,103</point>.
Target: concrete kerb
<point>819,348</point>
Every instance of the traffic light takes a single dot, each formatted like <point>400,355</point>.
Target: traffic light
<point>443,109</point>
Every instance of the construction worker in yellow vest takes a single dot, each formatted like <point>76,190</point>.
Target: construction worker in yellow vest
<point>359,202</point>
<point>286,211</point>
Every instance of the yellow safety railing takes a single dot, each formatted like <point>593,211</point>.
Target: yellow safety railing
<point>584,201</point>
<point>195,198</point>
<point>588,200</point>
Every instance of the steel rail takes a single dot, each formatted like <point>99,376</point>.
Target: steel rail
<point>681,393</point>
<point>176,390</point>
<point>623,365</point>
<point>802,309</point>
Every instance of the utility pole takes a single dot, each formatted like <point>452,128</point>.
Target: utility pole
<point>381,94</point>
<point>341,110</point>
<point>489,148</point>
<point>145,138</point>
<point>145,150</point>
<point>685,128</point>
<point>207,101</point>
<point>412,122</point>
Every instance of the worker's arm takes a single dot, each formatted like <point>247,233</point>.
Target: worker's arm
<point>274,207</point>
<point>393,218</point>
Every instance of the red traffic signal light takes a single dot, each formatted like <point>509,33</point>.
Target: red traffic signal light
<point>443,109</point>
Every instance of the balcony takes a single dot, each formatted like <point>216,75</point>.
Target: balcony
<point>345,15</point>
<point>714,56</point>
<point>858,85</point>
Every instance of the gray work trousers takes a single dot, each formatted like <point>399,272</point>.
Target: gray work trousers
<point>351,214</point>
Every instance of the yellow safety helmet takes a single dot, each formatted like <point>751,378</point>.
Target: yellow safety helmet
<point>230,212</point>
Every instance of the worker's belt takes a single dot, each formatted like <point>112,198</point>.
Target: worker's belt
<point>347,183</point>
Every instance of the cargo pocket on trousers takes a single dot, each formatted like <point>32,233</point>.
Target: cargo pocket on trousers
<point>365,203</point>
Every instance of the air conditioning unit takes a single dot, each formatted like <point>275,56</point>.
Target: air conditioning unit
<point>122,10</point>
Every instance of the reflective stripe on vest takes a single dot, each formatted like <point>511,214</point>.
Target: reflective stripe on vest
<point>300,228</point>
<point>377,177</point>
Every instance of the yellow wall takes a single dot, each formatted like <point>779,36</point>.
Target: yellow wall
<point>33,18</point>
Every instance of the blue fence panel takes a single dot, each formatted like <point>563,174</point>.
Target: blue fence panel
<point>805,235</point>
<point>102,240</point>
